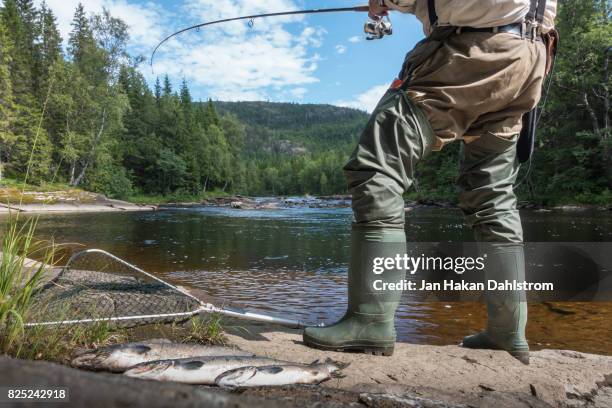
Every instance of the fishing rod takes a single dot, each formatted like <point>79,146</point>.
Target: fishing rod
<point>376,29</point>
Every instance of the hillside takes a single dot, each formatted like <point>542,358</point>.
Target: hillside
<point>289,115</point>
<point>295,129</point>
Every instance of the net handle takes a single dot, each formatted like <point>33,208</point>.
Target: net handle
<point>114,319</point>
<point>208,308</point>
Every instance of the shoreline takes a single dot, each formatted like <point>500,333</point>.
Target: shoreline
<point>124,206</point>
<point>344,201</point>
<point>80,201</point>
<point>114,206</point>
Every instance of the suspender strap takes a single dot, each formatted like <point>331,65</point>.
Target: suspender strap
<point>536,11</point>
<point>532,11</point>
<point>540,11</point>
<point>431,9</point>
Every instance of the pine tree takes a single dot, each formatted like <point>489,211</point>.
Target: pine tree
<point>49,50</point>
<point>30,36</point>
<point>158,90</point>
<point>81,42</point>
<point>32,149</point>
<point>211,114</point>
<point>50,38</point>
<point>20,66</point>
<point>6,96</point>
<point>167,90</point>
<point>185,95</point>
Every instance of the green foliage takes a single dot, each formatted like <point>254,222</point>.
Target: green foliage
<point>7,107</point>
<point>30,148</point>
<point>436,175</point>
<point>19,280</point>
<point>294,149</point>
<point>57,343</point>
<point>111,180</point>
<point>105,130</point>
<point>572,162</point>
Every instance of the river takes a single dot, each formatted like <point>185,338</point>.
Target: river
<point>292,262</point>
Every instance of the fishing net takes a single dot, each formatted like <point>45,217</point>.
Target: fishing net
<point>97,286</point>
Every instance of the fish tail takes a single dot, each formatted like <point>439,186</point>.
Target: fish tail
<point>92,360</point>
<point>339,364</point>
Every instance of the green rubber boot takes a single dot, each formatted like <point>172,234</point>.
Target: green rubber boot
<point>507,310</point>
<point>368,325</point>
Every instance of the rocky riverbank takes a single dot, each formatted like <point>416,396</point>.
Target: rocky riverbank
<point>61,202</point>
<point>83,201</point>
<point>415,376</point>
<point>454,375</point>
<point>87,389</point>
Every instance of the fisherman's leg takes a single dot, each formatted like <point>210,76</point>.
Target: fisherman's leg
<point>381,168</point>
<point>488,173</point>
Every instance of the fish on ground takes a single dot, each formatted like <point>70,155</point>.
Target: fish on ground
<point>271,375</point>
<point>120,357</point>
<point>197,370</point>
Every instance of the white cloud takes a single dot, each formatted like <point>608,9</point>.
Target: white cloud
<point>354,39</point>
<point>340,49</point>
<point>237,62</point>
<point>367,100</point>
<point>239,68</point>
<point>298,93</point>
<point>144,20</point>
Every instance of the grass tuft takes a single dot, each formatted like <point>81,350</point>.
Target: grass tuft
<point>205,330</point>
<point>19,280</point>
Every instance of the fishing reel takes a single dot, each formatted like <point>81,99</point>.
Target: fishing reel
<point>377,28</point>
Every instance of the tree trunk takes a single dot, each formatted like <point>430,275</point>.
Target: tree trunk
<point>206,184</point>
<point>72,171</point>
<point>592,114</point>
<point>531,187</point>
<point>91,155</point>
<point>81,175</point>
<point>606,95</point>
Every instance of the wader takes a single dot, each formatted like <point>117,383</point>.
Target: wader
<point>472,85</point>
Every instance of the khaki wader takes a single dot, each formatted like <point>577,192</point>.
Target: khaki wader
<point>474,87</point>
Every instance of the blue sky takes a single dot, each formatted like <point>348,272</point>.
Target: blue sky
<point>311,59</point>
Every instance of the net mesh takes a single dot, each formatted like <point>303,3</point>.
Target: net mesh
<point>96,285</point>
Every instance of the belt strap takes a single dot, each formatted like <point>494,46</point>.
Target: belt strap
<point>516,28</point>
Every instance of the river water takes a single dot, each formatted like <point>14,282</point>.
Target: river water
<point>292,262</point>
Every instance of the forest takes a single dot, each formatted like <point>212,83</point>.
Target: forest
<point>83,115</point>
